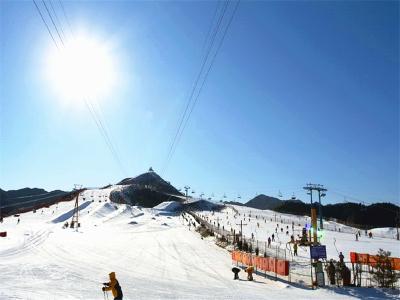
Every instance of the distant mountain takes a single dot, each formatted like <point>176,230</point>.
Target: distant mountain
<point>147,190</point>
<point>26,199</point>
<point>264,202</point>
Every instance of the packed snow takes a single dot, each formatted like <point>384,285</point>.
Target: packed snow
<point>154,256</point>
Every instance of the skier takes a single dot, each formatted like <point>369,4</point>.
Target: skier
<point>18,221</point>
<point>113,286</point>
<point>269,242</point>
<point>295,249</point>
<point>250,270</point>
<point>273,237</point>
<point>370,235</point>
<point>341,257</point>
<point>357,236</point>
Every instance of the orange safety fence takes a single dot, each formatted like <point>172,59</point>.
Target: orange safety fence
<point>367,259</point>
<point>269,264</point>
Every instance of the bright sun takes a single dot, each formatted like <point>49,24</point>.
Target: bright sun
<point>83,68</point>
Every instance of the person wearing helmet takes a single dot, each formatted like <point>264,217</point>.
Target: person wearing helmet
<point>113,286</point>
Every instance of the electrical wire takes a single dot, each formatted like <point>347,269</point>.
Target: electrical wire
<point>45,24</point>
<point>54,24</point>
<point>96,117</point>
<point>192,100</point>
<point>205,77</point>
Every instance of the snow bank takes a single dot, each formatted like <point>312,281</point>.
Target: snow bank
<point>169,206</point>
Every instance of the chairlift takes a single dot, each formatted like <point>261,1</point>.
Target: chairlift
<point>280,194</point>
<point>293,197</point>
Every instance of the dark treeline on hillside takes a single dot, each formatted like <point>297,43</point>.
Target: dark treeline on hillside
<point>358,215</point>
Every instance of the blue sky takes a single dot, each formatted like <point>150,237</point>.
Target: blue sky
<point>300,92</point>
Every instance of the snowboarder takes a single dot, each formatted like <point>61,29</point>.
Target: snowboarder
<point>295,249</point>
<point>370,235</point>
<point>113,286</point>
<point>235,271</point>
<point>269,242</point>
<point>250,270</point>
<point>330,269</point>
<point>18,221</point>
<point>341,257</point>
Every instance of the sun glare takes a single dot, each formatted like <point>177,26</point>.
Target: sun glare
<point>83,68</point>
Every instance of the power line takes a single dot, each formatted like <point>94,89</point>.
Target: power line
<point>54,24</point>
<point>190,99</point>
<point>45,23</point>
<point>65,16</point>
<point>211,25</point>
<point>186,118</point>
<point>104,133</point>
<point>93,113</point>
<point>57,19</point>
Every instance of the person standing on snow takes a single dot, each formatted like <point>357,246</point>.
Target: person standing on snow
<point>331,270</point>
<point>341,257</point>
<point>295,249</point>
<point>113,286</point>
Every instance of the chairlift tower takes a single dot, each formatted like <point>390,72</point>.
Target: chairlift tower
<point>186,188</point>
<point>75,217</point>
<point>310,187</point>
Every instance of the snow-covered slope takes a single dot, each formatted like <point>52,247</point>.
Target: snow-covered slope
<point>154,257</point>
<point>336,236</point>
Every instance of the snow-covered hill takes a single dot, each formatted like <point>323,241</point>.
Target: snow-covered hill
<point>154,256</point>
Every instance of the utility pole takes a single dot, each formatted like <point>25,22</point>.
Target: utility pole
<point>187,188</point>
<point>321,193</point>
<point>241,231</point>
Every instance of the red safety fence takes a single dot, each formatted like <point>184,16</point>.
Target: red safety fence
<point>268,264</point>
<point>367,259</point>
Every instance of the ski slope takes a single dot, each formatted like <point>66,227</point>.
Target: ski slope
<point>154,256</point>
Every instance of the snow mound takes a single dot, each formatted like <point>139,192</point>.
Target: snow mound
<point>168,206</point>
<point>105,210</point>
